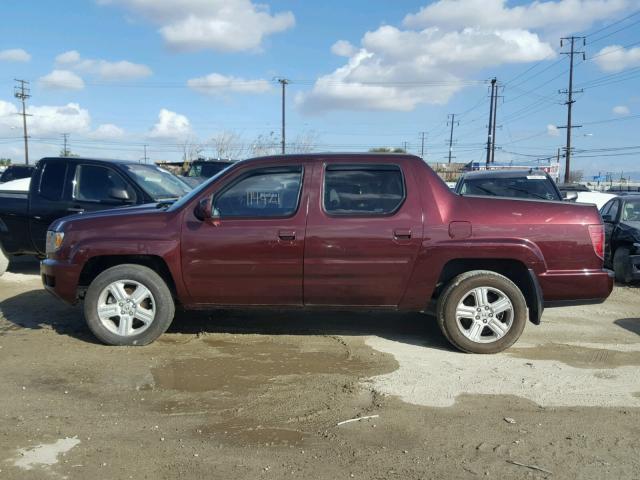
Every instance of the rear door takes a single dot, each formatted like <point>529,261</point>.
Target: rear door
<point>611,208</point>
<point>363,233</point>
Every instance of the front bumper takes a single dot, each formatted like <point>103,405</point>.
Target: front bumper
<point>576,287</point>
<point>60,279</point>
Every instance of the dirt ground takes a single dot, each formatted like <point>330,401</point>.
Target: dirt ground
<point>260,395</point>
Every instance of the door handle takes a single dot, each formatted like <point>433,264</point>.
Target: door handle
<point>75,210</point>
<point>287,235</point>
<point>402,234</point>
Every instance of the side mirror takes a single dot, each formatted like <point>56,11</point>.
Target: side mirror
<point>570,196</point>
<point>203,209</point>
<point>607,218</point>
<point>119,194</point>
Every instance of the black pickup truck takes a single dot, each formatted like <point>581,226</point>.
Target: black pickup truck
<point>67,186</point>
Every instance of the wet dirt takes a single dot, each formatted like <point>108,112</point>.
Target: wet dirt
<point>579,357</point>
<point>248,395</point>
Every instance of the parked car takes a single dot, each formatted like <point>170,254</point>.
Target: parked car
<point>349,231</point>
<point>66,186</point>
<point>14,172</point>
<point>532,184</point>
<point>621,217</point>
<point>201,170</point>
<point>624,188</point>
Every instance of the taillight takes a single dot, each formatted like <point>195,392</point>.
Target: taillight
<point>596,232</point>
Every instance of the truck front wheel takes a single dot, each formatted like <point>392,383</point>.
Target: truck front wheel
<point>128,305</point>
<point>4,261</point>
<point>482,312</point>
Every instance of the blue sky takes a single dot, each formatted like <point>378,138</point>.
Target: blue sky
<point>119,74</point>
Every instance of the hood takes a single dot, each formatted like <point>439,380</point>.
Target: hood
<point>131,211</point>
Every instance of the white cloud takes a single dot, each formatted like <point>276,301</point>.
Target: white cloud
<point>103,69</point>
<point>616,58</point>
<point>552,130</point>
<point>107,131</point>
<point>621,110</point>
<point>45,119</point>
<point>222,25</point>
<point>14,55</point>
<point>557,16</point>
<point>398,69</point>
<point>216,83</point>
<point>436,51</point>
<point>342,48</point>
<point>171,125</point>
<point>62,80</point>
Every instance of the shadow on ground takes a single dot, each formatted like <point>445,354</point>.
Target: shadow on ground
<point>37,309</point>
<point>631,324</point>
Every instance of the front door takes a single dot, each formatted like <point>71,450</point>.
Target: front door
<point>251,252</point>
<point>363,234</point>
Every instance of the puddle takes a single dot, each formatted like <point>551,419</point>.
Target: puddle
<point>238,367</point>
<point>577,356</point>
<point>45,454</point>
<point>239,434</point>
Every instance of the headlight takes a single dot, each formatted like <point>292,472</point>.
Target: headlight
<point>54,241</point>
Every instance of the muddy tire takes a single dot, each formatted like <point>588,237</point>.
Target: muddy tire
<point>482,312</point>
<point>128,305</point>
<point>622,265</point>
<point>4,261</point>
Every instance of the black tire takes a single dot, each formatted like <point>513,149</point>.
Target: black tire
<point>460,287</point>
<point>622,265</point>
<point>4,261</point>
<point>164,304</point>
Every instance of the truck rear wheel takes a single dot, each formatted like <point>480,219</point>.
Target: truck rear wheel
<point>4,261</point>
<point>128,305</point>
<point>482,312</point>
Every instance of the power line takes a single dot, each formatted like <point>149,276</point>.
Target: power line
<point>612,25</point>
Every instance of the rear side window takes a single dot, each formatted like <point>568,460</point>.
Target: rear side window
<point>261,193</point>
<point>363,189</point>
<point>52,180</point>
<point>531,186</point>
<point>93,183</point>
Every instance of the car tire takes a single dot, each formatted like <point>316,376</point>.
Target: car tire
<point>622,265</point>
<point>128,305</point>
<point>490,325</point>
<point>4,261</point>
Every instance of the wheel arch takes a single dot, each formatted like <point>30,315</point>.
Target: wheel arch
<point>94,266</point>
<point>515,270</point>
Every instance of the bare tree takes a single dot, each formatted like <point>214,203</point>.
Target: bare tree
<point>304,142</point>
<point>228,145</point>
<point>576,176</point>
<point>191,150</point>
<point>264,145</point>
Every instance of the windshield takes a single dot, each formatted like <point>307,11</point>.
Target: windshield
<point>158,183</point>
<point>631,211</point>
<point>206,169</point>
<point>538,187</point>
<point>196,191</point>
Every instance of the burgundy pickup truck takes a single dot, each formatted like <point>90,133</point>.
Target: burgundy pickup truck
<point>347,231</point>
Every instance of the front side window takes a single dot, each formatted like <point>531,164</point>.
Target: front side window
<point>262,193</point>
<point>363,189</point>
<point>52,180</point>
<point>93,183</point>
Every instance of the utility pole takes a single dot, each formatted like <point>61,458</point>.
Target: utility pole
<point>145,158</point>
<point>21,92</point>
<point>283,82</point>
<point>65,151</point>
<point>422,134</point>
<point>570,101</point>
<point>495,123</point>
<point>404,145</point>
<point>490,127</point>
<point>452,116</point>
